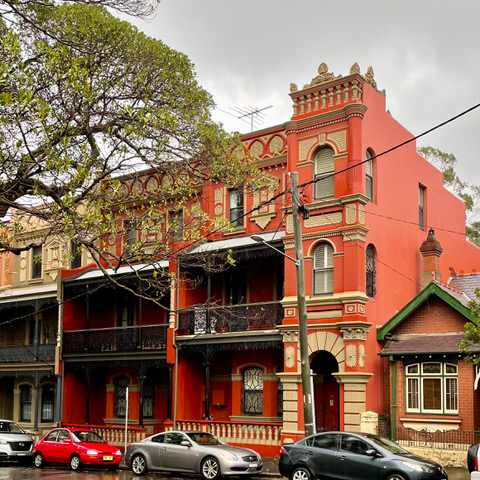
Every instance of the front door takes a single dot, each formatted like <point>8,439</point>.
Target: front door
<point>326,392</point>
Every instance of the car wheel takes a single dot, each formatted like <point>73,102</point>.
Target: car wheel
<point>300,473</point>
<point>395,476</point>
<point>210,469</point>
<point>38,460</point>
<point>139,465</point>
<point>75,463</point>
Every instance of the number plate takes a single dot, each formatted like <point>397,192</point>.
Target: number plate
<point>252,465</point>
<point>107,457</point>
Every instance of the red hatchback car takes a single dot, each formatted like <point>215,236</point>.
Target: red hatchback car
<point>76,447</point>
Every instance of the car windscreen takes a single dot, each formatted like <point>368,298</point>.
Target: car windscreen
<point>387,444</point>
<point>10,427</point>
<point>87,436</point>
<point>203,438</point>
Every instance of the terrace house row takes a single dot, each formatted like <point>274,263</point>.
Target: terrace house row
<point>222,352</point>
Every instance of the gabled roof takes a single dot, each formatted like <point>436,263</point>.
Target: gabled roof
<point>454,298</point>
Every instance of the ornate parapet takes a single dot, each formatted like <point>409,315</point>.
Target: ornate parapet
<point>328,90</point>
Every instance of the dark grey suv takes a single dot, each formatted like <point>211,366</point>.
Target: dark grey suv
<point>15,442</point>
<point>354,456</point>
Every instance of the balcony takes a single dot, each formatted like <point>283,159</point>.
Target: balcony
<point>26,354</point>
<point>230,318</point>
<point>116,339</point>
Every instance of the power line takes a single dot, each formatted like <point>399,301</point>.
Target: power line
<point>281,194</point>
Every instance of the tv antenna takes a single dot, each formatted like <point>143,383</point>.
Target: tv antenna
<point>256,115</point>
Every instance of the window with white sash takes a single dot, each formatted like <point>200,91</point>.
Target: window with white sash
<point>323,269</point>
<point>432,388</point>
<point>324,174</point>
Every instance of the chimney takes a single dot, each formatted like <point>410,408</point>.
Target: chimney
<point>431,251</point>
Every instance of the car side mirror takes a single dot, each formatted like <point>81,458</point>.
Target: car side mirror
<point>371,453</point>
<point>67,441</point>
<point>186,443</point>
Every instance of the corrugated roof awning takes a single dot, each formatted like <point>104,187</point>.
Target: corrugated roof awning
<point>97,274</point>
<point>239,242</point>
<point>408,345</point>
<point>32,295</point>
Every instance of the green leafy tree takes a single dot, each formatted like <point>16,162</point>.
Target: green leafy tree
<point>85,100</point>
<point>470,345</point>
<point>24,10</point>
<point>469,193</point>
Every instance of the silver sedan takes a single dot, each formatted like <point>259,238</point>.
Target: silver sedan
<point>192,452</point>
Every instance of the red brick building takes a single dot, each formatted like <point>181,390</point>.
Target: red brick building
<point>225,354</point>
<point>429,385</point>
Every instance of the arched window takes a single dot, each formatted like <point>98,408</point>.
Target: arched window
<point>369,176</point>
<point>120,400</point>
<point>324,174</point>
<point>25,403</point>
<point>252,391</point>
<point>370,271</point>
<point>323,269</point>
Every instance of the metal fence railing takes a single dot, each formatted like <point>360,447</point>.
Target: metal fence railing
<point>429,438</point>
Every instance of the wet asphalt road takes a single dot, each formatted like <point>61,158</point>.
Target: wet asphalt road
<point>17,472</point>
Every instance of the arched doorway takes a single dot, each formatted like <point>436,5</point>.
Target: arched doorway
<point>326,391</point>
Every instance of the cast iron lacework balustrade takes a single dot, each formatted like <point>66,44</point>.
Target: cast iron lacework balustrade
<point>230,318</point>
<point>25,353</point>
<point>118,339</point>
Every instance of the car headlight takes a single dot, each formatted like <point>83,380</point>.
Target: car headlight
<point>417,467</point>
<point>228,455</point>
<point>3,442</point>
<point>92,452</point>
<point>118,452</point>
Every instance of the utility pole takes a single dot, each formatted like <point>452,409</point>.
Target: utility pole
<point>302,309</point>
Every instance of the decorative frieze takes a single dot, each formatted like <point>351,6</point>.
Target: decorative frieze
<point>267,146</point>
<point>290,312</point>
<point>354,333</point>
<point>304,147</point>
<point>354,236</point>
<point>256,149</point>
<point>290,337</point>
<point>315,221</point>
<point>290,357</point>
<point>361,355</point>
<point>361,214</point>
<point>351,355</point>
<point>340,140</point>
<point>351,213</point>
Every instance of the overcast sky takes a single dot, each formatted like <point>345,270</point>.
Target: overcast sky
<point>425,54</point>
